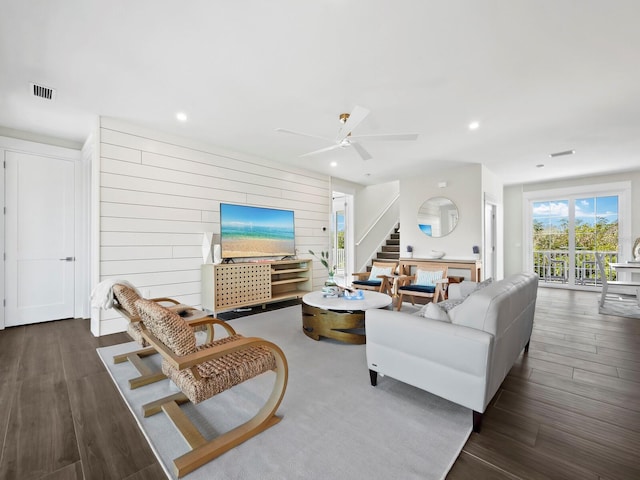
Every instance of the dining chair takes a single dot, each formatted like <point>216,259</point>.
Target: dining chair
<point>373,280</point>
<point>428,282</point>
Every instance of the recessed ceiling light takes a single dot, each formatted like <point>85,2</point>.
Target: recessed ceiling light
<point>181,116</point>
<point>560,154</point>
<point>474,125</point>
<point>540,165</point>
<point>334,164</point>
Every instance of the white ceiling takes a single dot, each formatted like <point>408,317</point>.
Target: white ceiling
<point>540,76</point>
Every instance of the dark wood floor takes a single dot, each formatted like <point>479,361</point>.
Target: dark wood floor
<point>570,409</point>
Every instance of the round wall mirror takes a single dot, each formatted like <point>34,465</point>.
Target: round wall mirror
<point>437,217</point>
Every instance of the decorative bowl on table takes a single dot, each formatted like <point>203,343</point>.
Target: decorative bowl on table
<point>354,295</point>
<point>435,254</point>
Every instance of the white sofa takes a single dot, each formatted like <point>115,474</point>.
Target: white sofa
<point>464,360</point>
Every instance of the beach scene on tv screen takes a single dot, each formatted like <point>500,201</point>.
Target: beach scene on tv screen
<point>256,232</point>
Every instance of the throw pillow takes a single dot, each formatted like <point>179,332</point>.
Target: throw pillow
<point>448,305</point>
<point>485,283</point>
<point>376,271</point>
<point>432,311</point>
<point>439,311</point>
<point>467,287</point>
<point>428,277</point>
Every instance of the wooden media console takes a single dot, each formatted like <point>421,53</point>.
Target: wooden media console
<point>229,286</point>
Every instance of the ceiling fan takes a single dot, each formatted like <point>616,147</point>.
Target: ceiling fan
<point>345,139</point>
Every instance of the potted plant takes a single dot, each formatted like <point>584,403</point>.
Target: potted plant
<point>324,260</point>
<point>409,251</point>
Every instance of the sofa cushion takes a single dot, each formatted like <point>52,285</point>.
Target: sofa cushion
<point>370,283</point>
<point>466,288</point>
<point>418,288</point>
<point>480,310</point>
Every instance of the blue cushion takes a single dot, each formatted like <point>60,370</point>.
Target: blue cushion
<point>418,288</point>
<point>370,283</point>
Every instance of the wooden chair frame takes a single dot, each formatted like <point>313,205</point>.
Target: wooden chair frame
<point>203,451</point>
<point>383,287</point>
<point>437,295</point>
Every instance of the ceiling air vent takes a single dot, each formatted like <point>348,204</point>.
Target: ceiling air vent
<point>42,92</point>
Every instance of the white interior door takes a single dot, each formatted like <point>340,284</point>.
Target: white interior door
<point>39,238</point>
<point>489,240</point>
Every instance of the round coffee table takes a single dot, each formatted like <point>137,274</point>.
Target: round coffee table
<point>337,318</point>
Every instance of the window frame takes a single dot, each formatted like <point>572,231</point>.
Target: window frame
<point>621,189</point>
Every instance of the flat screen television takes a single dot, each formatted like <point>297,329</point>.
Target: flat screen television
<point>247,231</point>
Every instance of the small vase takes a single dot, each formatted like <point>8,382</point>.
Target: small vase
<point>330,282</point>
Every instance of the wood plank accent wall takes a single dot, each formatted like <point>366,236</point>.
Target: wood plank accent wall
<point>159,194</point>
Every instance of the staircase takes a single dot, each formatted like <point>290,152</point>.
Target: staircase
<point>391,250</point>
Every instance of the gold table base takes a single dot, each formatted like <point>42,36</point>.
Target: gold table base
<point>318,322</point>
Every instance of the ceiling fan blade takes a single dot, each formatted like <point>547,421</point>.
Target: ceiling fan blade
<point>326,149</point>
<point>361,151</point>
<point>355,117</point>
<point>284,130</point>
<point>387,137</point>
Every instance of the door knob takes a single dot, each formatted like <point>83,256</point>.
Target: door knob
<point>68,259</point>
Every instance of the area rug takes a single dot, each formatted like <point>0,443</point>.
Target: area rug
<point>620,306</point>
<point>335,424</point>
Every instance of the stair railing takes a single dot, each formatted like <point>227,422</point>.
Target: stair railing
<point>386,209</point>
<point>370,257</point>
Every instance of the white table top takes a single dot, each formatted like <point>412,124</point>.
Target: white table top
<point>371,300</point>
<point>629,265</point>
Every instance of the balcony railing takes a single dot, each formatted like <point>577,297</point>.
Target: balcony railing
<point>339,260</point>
<point>552,266</point>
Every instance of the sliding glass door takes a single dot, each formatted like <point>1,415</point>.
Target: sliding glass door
<point>565,232</point>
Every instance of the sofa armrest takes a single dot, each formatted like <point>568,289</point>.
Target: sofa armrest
<point>460,348</point>
<point>454,291</point>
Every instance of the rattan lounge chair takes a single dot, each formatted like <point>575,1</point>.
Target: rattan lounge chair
<point>203,372</point>
<point>124,303</point>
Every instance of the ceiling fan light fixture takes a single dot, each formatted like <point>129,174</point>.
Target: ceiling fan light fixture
<point>344,138</point>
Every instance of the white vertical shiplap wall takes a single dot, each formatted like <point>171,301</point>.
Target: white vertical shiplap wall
<point>159,194</point>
